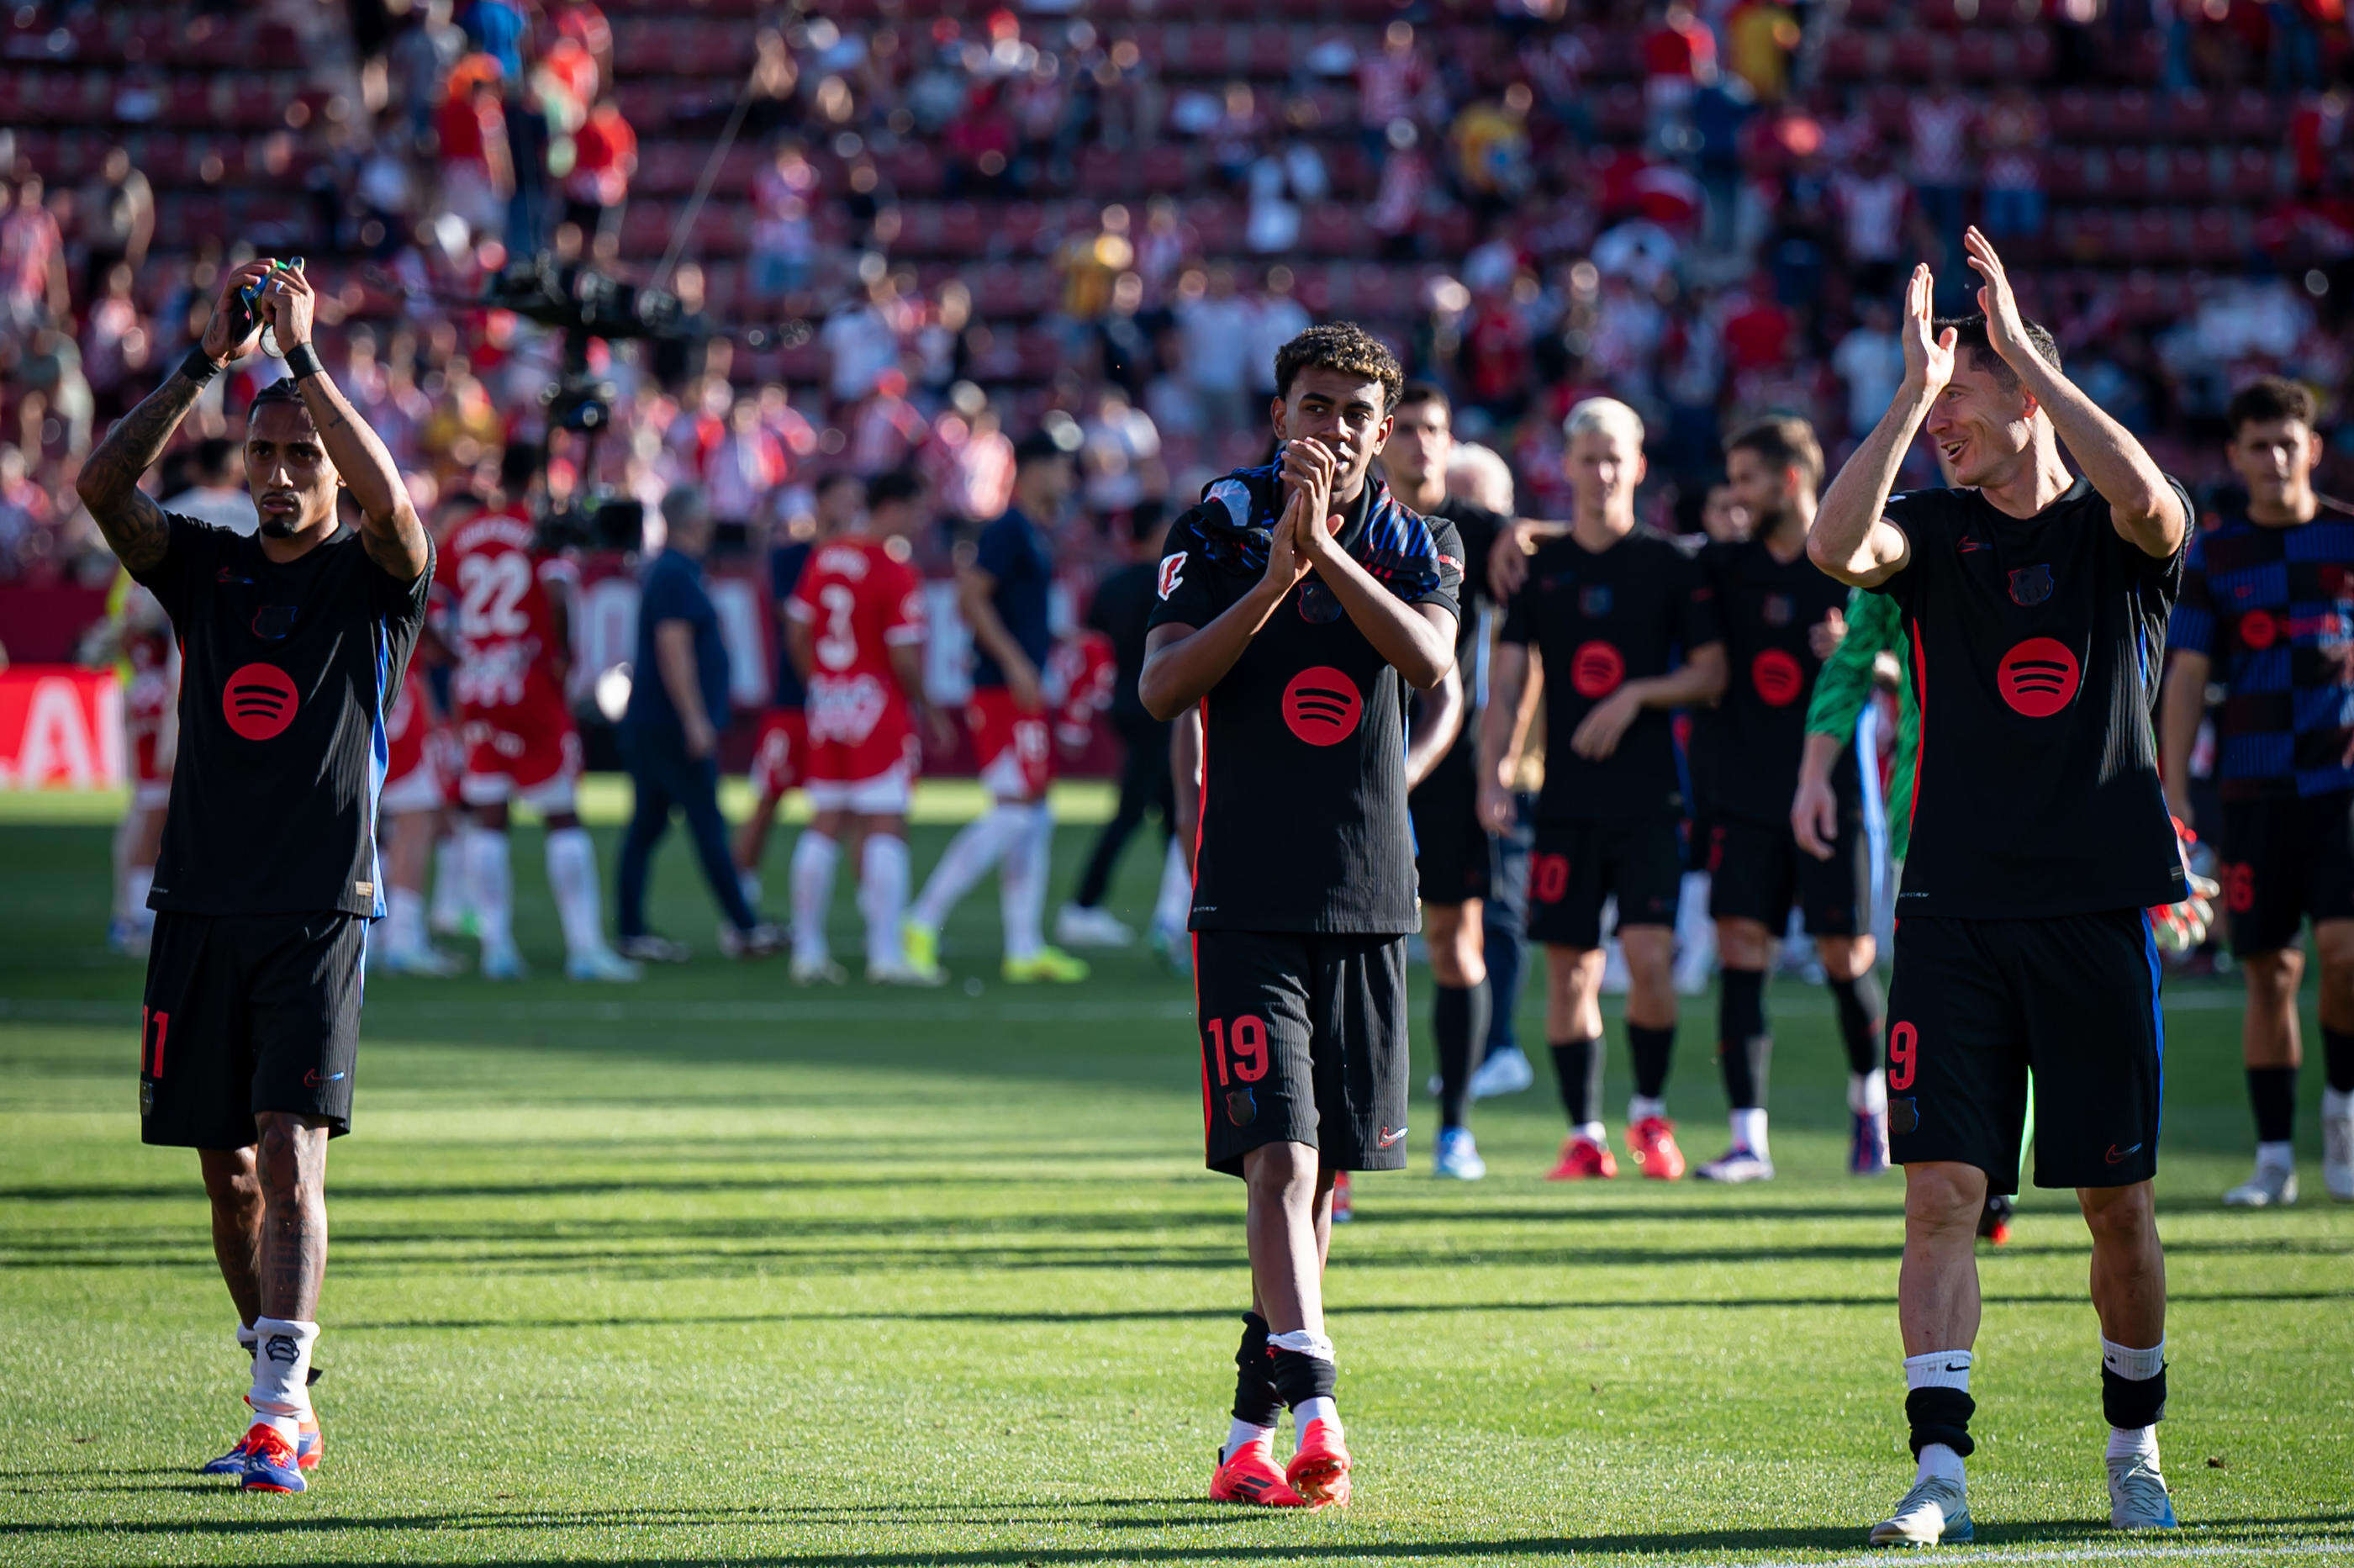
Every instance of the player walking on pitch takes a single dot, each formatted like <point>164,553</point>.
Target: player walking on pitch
<point>1782,618</point>
<point>1294,600</point>
<point>293,644</point>
<point>2263,601</point>
<point>1618,626</point>
<point>2037,607</point>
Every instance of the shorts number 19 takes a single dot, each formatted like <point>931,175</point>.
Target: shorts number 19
<point>1246,1039</point>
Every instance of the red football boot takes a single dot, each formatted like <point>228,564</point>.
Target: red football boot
<point>1652,1142</point>
<point>1582,1158</point>
<point>1319,1470</point>
<point>1251,1477</point>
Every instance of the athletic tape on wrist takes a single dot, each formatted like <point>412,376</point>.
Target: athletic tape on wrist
<point>198,366</point>
<point>303,360</point>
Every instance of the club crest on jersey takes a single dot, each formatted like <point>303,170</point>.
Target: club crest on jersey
<point>2030,584</point>
<point>1595,601</point>
<point>1316,603</point>
<point>260,700</point>
<point>1242,1106</point>
<point>271,622</point>
<point>1172,572</point>
<point>1776,609</point>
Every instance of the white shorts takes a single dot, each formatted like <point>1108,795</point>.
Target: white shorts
<point>556,794</point>
<point>419,790</point>
<point>151,795</point>
<point>885,795</point>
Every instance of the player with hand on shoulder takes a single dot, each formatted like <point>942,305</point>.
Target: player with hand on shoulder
<point>1298,603</point>
<point>1618,626</point>
<point>2036,603</point>
<point>293,644</point>
<point>2264,609</point>
<point>854,630</point>
<point>511,623</point>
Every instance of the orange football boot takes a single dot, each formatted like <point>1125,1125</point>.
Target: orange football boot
<point>1251,1477</point>
<point>1319,1470</point>
<point>1652,1142</point>
<point>1582,1158</point>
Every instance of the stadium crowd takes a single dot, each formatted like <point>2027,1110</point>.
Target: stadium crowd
<point>1734,252</point>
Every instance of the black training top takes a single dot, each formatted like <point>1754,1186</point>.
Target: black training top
<point>1122,610</point>
<point>1768,608</point>
<point>286,674</point>
<point>2035,645</point>
<point>1631,612</point>
<point>1303,794</point>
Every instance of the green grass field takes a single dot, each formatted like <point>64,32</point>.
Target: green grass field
<point>709,1271</point>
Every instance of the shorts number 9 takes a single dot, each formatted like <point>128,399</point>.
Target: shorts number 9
<point>1903,1055</point>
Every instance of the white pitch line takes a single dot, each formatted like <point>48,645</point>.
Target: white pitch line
<point>944,1011</point>
<point>2270,1551</point>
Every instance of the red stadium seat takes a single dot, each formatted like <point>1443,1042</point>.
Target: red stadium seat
<point>2219,235</point>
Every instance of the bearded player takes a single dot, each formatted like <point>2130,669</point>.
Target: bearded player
<point>2036,604</point>
<point>1298,603</point>
<point>293,644</point>
<point>855,630</point>
<point>2264,609</point>
<point>510,619</point>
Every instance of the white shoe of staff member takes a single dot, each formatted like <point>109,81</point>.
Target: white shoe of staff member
<point>1505,1072</point>
<point>1078,926</point>
<point>2337,1144</point>
<point>2273,1186</point>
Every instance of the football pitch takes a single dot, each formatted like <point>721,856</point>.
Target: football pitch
<point>711,1270</point>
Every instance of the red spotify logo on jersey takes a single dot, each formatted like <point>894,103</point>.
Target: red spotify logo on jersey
<point>1595,669</point>
<point>1777,677</point>
<point>1321,705</point>
<point>2258,629</point>
<point>2038,677</point>
<point>259,702</point>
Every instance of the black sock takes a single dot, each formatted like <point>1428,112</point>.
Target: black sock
<point>1578,1064</point>
<point>1859,1005</point>
<point>2338,1059</point>
<point>2133,1402</point>
<point>1255,1397</point>
<point>2272,1092</point>
<point>1943,1416</point>
<point>1458,1018</point>
<point>1651,1049</point>
<point>1300,1376</point>
<point>1742,1043</point>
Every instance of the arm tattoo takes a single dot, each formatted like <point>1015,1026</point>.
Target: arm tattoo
<point>133,524</point>
<point>389,530</point>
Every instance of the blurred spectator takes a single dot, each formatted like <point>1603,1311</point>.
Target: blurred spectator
<point>26,513</point>
<point>1214,323</point>
<point>477,171</point>
<point>1276,318</point>
<point>1119,450</point>
<point>495,28</point>
<point>419,61</point>
<point>861,341</point>
<point>50,377</point>
<point>2012,133</point>
<point>1760,37</point>
<point>1390,86</point>
<point>217,491</point>
<point>1089,262</point>
<point>604,156</point>
<point>1679,58</point>
<point>1876,214</point>
<point>1942,124</point>
<point>524,116</point>
<point>969,459</point>
<point>32,261</point>
<point>747,466</point>
<point>118,219</point>
<point>782,237</point>
<point>113,342</point>
<point>464,431</point>
<point>1870,362</point>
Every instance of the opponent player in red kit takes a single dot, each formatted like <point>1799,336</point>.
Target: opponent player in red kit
<point>854,630</point>
<point>509,618</point>
<point>415,790</point>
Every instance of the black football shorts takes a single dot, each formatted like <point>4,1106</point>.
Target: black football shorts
<point>2283,860</point>
<point>1304,1041</point>
<point>1974,1005</point>
<point>1757,872</point>
<point>1578,864</point>
<point>1451,852</point>
<point>245,1013</point>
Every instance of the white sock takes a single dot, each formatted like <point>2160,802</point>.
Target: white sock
<point>2137,1365</point>
<point>1318,1407</point>
<point>2133,1442</point>
<point>247,1340</point>
<point>1306,1341</point>
<point>1642,1106</point>
<point>404,919</point>
<point>1593,1132</point>
<point>1241,1435</point>
<point>140,881</point>
<point>282,1373</point>
<point>2336,1103</point>
<point>489,879</point>
<point>970,856</point>
<point>1938,1369</point>
<point>815,858</point>
<point>1940,1461</point>
<point>748,883</point>
<point>1021,882</point>
<point>1174,906</point>
<point>2281,1156</point>
<point>1866,1094</point>
<point>1694,928</point>
<point>883,898</point>
<point>1749,1131</point>
<point>449,880</point>
<point>572,877</point>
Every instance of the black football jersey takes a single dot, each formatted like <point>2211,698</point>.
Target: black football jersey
<point>1304,823</point>
<point>1768,608</point>
<point>286,674</point>
<point>1631,612</point>
<point>2036,645</point>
